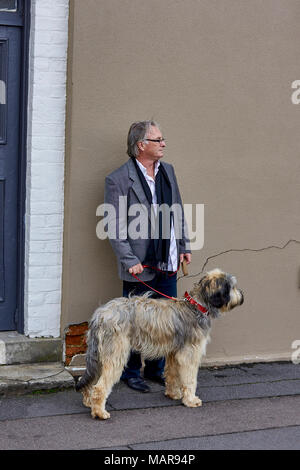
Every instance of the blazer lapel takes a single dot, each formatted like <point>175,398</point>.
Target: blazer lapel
<point>137,187</point>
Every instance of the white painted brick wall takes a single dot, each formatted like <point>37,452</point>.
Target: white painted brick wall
<point>45,167</point>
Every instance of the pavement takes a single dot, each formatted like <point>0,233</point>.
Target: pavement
<point>250,406</point>
<point>21,379</point>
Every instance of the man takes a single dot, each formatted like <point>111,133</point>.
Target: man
<point>144,182</point>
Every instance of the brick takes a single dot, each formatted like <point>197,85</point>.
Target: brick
<point>48,313</point>
<point>35,326</point>
<point>47,234</point>
<point>51,37</point>
<point>58,65</point>
<point>45,10</point>
<point>44,285</point>
<point>45,195</point>
<point>54,220</point>
<point>75,340</point>
<point>72,350</point>
<point>48,156</point>
<point>38,221</point>
<point>53,297</point>
<point>79,329</point>
<point>52,141</point>
<point>46,208</point>
<point>45,259</point>
<point>46,247</point>
<point>44,129</point>
<point>36,272</point>
<point>68,359</point>
<point>41,65</point>
<point>47,50</point>
<point>51,24</point>
<point>36,300</point>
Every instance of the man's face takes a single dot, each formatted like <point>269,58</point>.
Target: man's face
<point>154,150</point>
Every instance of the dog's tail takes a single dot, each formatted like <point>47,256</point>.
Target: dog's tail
<point>92,359</point>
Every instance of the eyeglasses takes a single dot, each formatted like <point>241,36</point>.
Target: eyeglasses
<point>157,140</point>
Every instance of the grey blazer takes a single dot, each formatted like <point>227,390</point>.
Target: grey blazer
<point>130,251</point>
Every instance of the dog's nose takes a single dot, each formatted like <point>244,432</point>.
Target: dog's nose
<point>242,297</point>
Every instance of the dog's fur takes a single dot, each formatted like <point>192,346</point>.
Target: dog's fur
<point>155,328</point>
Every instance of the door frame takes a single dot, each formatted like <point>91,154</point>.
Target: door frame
<point>23,163</point>
<point>22,19</point>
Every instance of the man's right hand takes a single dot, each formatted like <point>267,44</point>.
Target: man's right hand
<point>136,269</point>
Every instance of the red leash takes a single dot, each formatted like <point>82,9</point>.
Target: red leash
<point>156,269</point>
<point>152,288</point>
<point>186,294</point>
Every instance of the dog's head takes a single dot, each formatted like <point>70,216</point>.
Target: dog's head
<point>218,290</point>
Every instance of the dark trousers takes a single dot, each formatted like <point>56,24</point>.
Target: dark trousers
<point>167,285</point>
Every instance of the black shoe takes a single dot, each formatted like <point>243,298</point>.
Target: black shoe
<point>137,383</point>
<point>156,378</point>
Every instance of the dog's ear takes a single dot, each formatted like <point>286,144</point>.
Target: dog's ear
<point>215,290</point>
<point>221,296</point>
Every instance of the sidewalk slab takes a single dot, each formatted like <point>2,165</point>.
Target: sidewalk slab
<point>39,405</point>
<point>119,400</point>
<point>248,373</point>
<point>287,438</point>
<point>272,371</point>
<point>132,427</point>
<point>26,378</point>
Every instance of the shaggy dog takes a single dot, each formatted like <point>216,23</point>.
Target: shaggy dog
<point>177,329</point>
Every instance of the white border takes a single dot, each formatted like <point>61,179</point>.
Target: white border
<point>45,167</point>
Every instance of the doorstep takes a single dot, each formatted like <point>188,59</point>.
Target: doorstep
<point>19,349</point>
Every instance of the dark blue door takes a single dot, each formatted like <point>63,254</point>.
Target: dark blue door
<point>10,65</point>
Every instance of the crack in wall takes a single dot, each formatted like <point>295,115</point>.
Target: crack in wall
<point>240,250</point>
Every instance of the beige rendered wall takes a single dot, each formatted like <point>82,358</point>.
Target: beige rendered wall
<point>217,75</point>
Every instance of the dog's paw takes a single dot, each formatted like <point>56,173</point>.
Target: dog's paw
<point>174,396</point>
<point>193,402</point>
<point>101,414</point>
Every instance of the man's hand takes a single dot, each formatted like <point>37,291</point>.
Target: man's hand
<point>185,256</point>
<point>136,269</point>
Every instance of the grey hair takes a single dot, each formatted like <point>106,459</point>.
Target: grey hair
<point>137,133</point>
